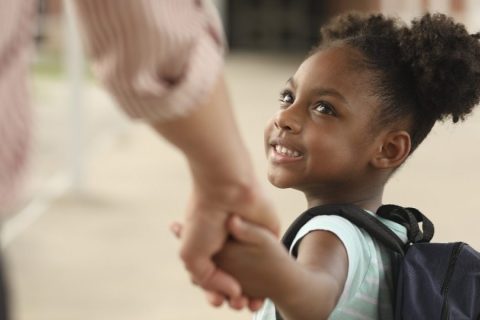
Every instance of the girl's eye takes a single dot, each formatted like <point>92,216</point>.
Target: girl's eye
<point>286,98</point>
<point>325,108</point>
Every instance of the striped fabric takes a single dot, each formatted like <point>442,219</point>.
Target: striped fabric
<point>158,58</point>
<point>15,24</point>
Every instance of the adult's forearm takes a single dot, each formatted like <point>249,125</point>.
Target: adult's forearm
<point>210,139</point>
<point>166,71</point>
<point>162,62</point>
<point>219,161</point>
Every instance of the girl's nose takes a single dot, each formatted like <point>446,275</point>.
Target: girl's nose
<point>288,121</point>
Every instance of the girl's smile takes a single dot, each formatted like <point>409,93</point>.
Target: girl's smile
<point>282,151</point>
<point>282,155</point>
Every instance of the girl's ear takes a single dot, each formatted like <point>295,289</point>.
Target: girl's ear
<point>394,148</point>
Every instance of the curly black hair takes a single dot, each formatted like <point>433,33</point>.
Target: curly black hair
<point>424,73</point>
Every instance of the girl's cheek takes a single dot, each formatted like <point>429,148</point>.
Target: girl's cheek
<point>267,132</point>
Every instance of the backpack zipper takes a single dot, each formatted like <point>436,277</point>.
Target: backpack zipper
<point>448,276</point>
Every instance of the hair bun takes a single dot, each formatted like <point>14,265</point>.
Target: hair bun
<point>445,63</point>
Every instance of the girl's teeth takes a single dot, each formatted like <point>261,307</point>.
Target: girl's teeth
<point>286,151</point>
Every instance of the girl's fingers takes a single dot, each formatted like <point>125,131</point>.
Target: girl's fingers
<point>215,299</point>
<point>238,303</point>
<point>255,304</point>
<point>245,231</point>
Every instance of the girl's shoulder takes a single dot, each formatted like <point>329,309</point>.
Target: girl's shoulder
<point>367,274</point>
<point>347,232</point>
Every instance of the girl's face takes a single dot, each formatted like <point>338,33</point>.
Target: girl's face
<point>320,140</point>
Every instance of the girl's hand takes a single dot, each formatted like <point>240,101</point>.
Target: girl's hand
<point>217,300</point>
<point>254,258</point>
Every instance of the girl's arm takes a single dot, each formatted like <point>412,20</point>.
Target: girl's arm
<point>306,288</point>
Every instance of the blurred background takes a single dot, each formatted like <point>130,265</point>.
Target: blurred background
<point>88,237</point>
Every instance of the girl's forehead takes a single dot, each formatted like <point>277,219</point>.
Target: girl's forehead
<point>335,67</point>
<point>339,60</point>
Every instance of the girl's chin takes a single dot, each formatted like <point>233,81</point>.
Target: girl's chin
<point>279,182</point>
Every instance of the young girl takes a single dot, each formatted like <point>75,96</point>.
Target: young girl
<point>354,111</point>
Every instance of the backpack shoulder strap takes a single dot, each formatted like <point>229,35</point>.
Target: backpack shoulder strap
<point>409,218</point>
<point>355,215</point>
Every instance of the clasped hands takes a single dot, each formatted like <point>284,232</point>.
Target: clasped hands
<point>222,240</point>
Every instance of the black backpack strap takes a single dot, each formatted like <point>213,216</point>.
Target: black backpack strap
<point>409,218</point>
<point>355,215</point>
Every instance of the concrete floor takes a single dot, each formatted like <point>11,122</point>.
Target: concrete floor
<point>106,253</point>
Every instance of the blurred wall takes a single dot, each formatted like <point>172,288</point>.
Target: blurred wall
<point>285,25</point>
<point>293,25</point>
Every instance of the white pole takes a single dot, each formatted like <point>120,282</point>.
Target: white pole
<point>75,66</point>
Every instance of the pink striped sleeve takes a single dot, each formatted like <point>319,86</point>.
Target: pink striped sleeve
<point>159,58</point>
<point>16,19</point>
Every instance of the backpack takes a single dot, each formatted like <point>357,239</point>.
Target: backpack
<point>432,280</point>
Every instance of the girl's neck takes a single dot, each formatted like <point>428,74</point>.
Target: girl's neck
<point>370,201</point>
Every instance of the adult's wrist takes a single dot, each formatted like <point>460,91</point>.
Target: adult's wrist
<point>224,188</point>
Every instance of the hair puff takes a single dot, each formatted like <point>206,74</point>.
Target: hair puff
<point>445,63</point>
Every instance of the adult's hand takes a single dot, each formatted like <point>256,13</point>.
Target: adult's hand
<point>215,277</point>
<point>205,233</point>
